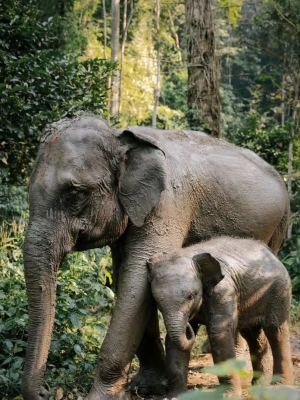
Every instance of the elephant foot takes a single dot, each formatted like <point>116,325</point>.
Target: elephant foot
<point>43,393</point>
<point>148,382</point>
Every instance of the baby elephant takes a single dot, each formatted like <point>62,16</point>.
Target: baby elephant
<point>229,285</point>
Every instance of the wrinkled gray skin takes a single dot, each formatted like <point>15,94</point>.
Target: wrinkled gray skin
<point>229,285</point>
<point>141,191</point>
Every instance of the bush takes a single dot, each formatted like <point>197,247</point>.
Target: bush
<point>13,203</point>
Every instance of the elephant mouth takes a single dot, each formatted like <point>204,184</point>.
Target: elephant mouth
<point>85,242</point>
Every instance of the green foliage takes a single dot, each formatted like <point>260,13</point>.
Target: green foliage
<point>39,85</point>
<point>13,308</point>
<point>13,203</point>
<point>83,310</point>
<point>233,8</point>
<point>256,393</point>
<point>229,367</point>
<point>269,142</point>
<point>216,394</point>
<point>278,393</point>
<point>290,256</point>
<point>173,109</point>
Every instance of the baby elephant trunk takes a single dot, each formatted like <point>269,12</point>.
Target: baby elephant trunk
<point>181,333</point>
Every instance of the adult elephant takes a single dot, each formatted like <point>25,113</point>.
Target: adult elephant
<point>141,191</point>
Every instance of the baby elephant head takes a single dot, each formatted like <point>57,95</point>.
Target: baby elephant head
<point>177,284</point>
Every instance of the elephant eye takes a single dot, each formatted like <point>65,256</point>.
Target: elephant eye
<point>75,200</point>
<point>191,296</point>
<point>76,195</point>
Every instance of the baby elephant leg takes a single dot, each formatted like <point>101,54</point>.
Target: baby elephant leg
<point>279,339</point>
<point>177,362</point>
<point>260,353</point>
<point>222,341</point>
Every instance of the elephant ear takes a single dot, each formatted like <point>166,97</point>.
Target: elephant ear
<point>144,176</point>
<point>210,270</point>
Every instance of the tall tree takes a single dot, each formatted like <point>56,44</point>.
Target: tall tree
<point>126,23</point>
<point>203,70</point>
<point>115,33</point>
<point>157,86</point>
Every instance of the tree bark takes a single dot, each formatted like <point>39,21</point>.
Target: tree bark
<point>115,33</point>
<point>157,86</point>
<point>126,24</point>
<point>104,28</point>
<point>174,33</point>
<point>203,69</point>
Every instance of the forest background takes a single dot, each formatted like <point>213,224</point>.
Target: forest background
<point>60,57</point>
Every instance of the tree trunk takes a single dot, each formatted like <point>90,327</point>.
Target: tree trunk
<point>173,31</point>
<point>104,28</point>
<point>203,69</point>
<point>157,86</point>
<point>115,33</point>
<point>126,24</point>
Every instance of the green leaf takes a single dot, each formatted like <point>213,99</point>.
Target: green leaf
<point>17,363</point>
<point>216,394</point>
<point>8,344</point>
<point>77,349</point>
<point>228,367</point>
<point>75,320</point>
<point>276,392</point>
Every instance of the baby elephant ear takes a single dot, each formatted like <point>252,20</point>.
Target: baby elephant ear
<point>210,270</point>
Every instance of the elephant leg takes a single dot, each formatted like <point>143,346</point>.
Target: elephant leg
<point>131,315</point>
<point>241,349</point>
<point>151,378</point>
<point>177,363</point>
<point>260,354</point>
<point>177,369</point>
<point>279,339</point>
<point>222,342</point>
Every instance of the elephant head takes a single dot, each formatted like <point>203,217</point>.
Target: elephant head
<point>177,284</point>
<point>88,183</point>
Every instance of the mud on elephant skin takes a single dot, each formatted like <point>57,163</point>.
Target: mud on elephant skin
<point>141,191</point>
<point>230,285</point>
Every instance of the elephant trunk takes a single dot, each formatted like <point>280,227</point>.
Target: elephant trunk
<point>44,249</point>
<point>180,332</point>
